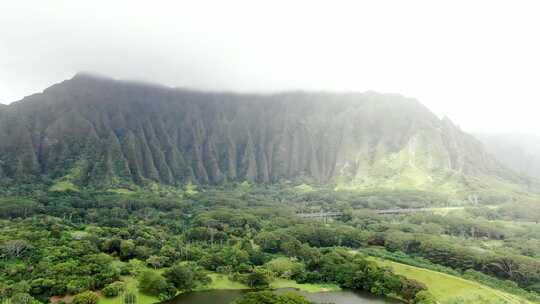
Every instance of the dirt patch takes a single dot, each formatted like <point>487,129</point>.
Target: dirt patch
<point>65,299</point>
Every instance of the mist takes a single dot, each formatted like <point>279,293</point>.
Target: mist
<point>475,62</point>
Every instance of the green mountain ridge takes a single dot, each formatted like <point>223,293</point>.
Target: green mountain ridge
<point>104,133</point>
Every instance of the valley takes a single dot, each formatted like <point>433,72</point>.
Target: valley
<point>117,192</point>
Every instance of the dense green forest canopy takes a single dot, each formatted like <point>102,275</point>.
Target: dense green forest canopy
<point>58,243</point>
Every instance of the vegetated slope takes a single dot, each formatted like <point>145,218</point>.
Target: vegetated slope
<point>450,289</point>
<point>520,152</point>
<point>99,132</point>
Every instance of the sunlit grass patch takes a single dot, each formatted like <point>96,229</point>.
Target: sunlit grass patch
<point>284,283</point>
<point>63,186</point>
<point>448,289</point>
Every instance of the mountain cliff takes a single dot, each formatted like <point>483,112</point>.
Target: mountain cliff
<point>99,132</point>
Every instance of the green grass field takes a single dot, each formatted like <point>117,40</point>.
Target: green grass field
<point>131,284</point>
<point>63,186</point>
<point>221,281</point>
<point>449,289</point>
<point>283,283</point>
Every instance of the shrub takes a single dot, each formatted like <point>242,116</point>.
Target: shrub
<point>113,289</point>
<point>258,279</point>
<point>285,267</point>
<point>127,269</point>
<point>152,283</point>
<point>77,285</point>
<point>23,298</point>
<point>424,297</point>
<point>186,277</point>
<point>268,297</point>
<point>86,297</point>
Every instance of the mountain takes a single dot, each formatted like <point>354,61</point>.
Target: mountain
<point>105,133</point>
<point>520,152</point>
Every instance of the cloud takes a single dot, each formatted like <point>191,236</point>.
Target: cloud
<point>476,62</point>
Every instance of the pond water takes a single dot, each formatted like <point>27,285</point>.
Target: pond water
<point>228,296</point>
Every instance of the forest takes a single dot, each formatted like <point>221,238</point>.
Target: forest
<point>149,246</point>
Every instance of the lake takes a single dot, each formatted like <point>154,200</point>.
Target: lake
<point>227,296</point>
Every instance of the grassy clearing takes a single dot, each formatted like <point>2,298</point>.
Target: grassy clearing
<point>283,283</point>
<point>219,281</point>
<point>131,284</point>
<point>63,186</point>
<point>449,289</point>
<point>123,191</point>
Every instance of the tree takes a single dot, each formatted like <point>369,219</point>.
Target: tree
<point>23,298</point>
<point>285,267</point>
<point>156,261</point>
<point>258,278</point>
<point>262,297</point>
<point>21,287</point>
<point>168,293</point>
<point>185,277</point>
<point>15,248</point>
<point>291,298</point>
<point>410,288</point>
<point>269,241</point>
<point>111,245</point>
<point>181,277</point>
<point>127,249</point>
<point>86,297</point>
<point>152,283</point>
<point>113,289</point>
<point>4,292</point>
<point>291,248</point>
<point>268,297</point>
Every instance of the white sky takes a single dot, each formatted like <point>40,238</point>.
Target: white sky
<point>477,62</point>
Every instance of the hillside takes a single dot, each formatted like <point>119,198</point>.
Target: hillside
<point>521,152</point>
<point>104,133</point>
<point>450,289</point>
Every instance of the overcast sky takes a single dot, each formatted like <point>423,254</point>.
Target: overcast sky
<point>477,62</point>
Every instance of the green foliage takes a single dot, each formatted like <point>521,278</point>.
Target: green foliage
<point>258,279</point>
<point>267,297</point>
<point>410,289</point>
<point>285,267</point>
<point>63,186</point>
<point>23,298</point>
<point>186,277</point>
<point>152,283</point>
<point>14,207</point>
<point>506,285</point>
<point>86,297</point>
<point>113,289</point>
<point>78,241</point>
<point>424,297</point>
